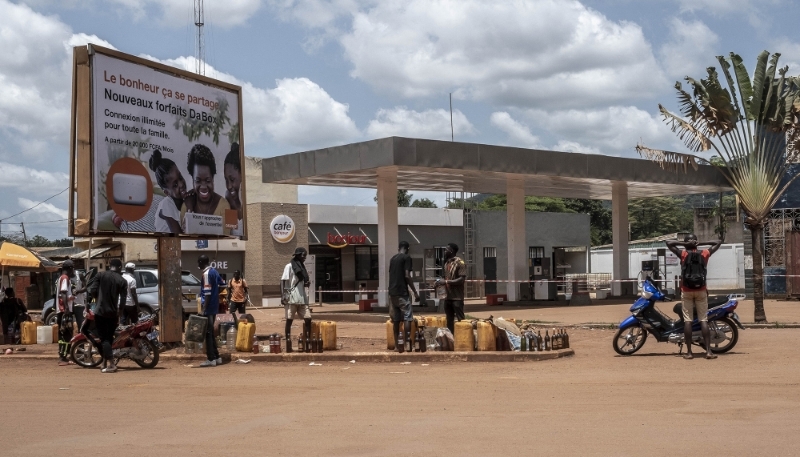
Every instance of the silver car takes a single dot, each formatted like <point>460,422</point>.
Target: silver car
<point>147,292</point>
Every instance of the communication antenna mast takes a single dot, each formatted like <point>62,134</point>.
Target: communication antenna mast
<point>199,51</point>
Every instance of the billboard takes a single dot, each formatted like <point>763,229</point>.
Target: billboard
<point>165,150</point>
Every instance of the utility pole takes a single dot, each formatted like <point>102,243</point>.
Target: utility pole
<point>452,134</point>
<point>199,50</point>
<point>24,236</point>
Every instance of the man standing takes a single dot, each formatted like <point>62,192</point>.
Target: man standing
<point>210,282</point>
<point>237,291</point>
<point>12,311</point>
<point>297,297</point>
<point>693,287</point>
<point>400,303</point>
<point>65,318</point>
<point>455,273</point>
<point>130,312</point>
<point>110,292</point>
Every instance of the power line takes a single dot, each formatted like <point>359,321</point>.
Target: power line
<point>35,222</point>
<point>34,206</point>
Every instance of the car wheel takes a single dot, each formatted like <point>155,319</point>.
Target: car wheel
<point>51,318</point>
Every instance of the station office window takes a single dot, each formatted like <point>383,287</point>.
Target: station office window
<point>366,262</point>
<point>535,252</point>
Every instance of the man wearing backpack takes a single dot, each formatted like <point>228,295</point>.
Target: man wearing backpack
<point>693,287</point>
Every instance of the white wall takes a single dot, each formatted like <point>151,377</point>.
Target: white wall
<point>725,268</point>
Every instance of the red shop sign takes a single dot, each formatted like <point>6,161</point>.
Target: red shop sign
<point>340,241</point>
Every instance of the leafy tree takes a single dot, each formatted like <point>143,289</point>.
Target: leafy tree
<point>498,202</point>
<point>423,203</point>
<point>746,126</point>
<point>656,216</point>
<point>599,217</point>
<point>403,198</point>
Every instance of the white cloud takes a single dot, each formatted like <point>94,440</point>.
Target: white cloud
<point>790,54</point>
<point>573,146</point>
<point>518,134</point>
<point>175,13</point>
<point>432,124</point>
<point>297,112</point>
<point>35,75</point>
<point>690,49</point>
<point>38,182</point>
<point>517,53</point>
<point>42,208</point>
<point>615,130</point>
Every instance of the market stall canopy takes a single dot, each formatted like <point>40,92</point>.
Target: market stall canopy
<point>451,166</point>
<point>14,257</point>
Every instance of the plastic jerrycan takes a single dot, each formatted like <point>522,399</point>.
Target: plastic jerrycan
<point>44,335</point>
<point>464,338</point>
<point>244,337</point>
<point>328,331</point>
<point>486,337</point>
<point>28,332</point>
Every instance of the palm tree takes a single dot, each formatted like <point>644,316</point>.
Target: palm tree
<point>747,125</point>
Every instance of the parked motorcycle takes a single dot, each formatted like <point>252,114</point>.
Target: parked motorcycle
<point>138,342</point>
<point>723,324</point>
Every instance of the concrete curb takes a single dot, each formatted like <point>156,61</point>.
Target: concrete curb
<point>364,357</point>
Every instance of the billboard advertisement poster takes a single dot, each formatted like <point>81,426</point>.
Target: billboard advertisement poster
<point>166,155</point>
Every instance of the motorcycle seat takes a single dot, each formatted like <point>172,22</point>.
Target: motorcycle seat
<point>678,309</point>
<point>716,300</point>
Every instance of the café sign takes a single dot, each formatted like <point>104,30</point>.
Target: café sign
<point>282,228</point>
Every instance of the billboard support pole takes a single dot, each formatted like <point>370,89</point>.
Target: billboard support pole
<point>169,289</point>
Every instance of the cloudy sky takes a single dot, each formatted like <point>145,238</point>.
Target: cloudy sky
<point>552,74</point>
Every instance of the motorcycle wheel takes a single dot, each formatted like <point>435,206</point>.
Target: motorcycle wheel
<point>629,340</point>
<point>151,359</point>
<point>84,354</point>
<point>727,327</point>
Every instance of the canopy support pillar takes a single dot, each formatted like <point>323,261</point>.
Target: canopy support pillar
<point>387,229</point>
<point>517,250</point>
<point>619,234</point>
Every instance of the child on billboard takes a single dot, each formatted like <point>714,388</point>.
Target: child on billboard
<point>170,179</point>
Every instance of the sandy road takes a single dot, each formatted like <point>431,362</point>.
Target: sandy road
<point>744,403</point>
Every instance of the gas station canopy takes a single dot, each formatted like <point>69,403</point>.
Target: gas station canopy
<point>430,165</point>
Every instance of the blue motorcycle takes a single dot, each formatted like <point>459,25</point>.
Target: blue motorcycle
<point>723,323</point>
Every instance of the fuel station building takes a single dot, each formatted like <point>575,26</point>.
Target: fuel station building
<point>395,163</point>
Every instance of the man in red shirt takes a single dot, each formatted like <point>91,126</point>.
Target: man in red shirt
<point>693,287</point>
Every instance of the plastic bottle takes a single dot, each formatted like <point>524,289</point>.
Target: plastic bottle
<point>401,344</point>
<point>255,345</point>
<point>230,339</point>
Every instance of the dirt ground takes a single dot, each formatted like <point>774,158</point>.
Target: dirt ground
<point>595,403</point>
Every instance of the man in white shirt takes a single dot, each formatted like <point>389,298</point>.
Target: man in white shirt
<point>129,314</point>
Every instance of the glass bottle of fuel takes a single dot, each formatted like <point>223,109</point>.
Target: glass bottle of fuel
<point>401,344</point>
